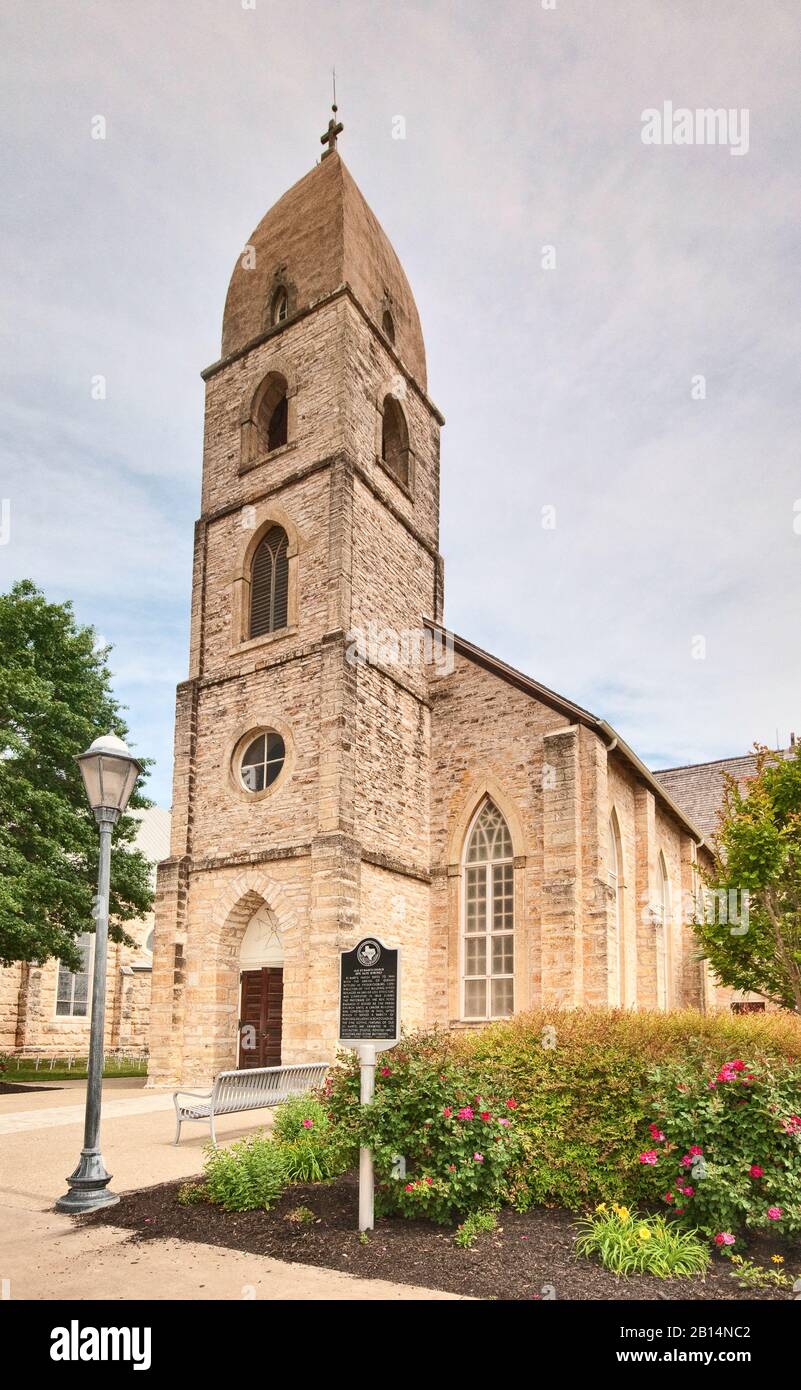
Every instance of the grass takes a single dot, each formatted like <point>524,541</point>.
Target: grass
<point>24,1069</point>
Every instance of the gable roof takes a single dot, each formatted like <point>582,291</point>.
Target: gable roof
<point>576,714</point>
<point>699,787</point>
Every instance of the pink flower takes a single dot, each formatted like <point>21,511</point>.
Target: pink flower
<point>736,1066</point>
<point>478,1158</point>
<point>724,1238</point>
<point>755,1171</point>
<point>696,1151</point>
<point>503,1121</point>
<point>686,1162</point>
<point>679,1211</point>
<point>447,1112</point>
<point>512,1104</point>
<point>308,1124</point>
<point>656,1133</point>
<point>793,1125</point>
<point>465,1113</point>
<point>650,1156</point>
<point>451,1167</point>
<point>775,1213</point>
<point>385,1071</point>
<point>429,1181</point>
<point>409,1187</point>
<point>668,1196</point>
<point>485,1115</point>
<point>688,1191</point>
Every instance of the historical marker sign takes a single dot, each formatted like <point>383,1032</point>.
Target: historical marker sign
<point>369,994</point>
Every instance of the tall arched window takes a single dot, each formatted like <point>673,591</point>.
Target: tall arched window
<point>272,416</point>
<point>664,910</point>
<point>395,440</point>
<point>269,584</point>
<point>388,326</point>
<point>489,918</point>
<point>614,967</point>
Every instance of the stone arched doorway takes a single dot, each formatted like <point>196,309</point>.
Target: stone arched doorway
<point>261,991</point>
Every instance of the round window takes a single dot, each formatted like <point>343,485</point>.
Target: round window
<point>262,761</point>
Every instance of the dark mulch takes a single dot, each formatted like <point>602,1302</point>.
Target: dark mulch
<point>10,1088</point>
<point>520,1260</point>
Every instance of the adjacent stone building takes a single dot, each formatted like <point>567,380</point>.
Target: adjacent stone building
<point>343,765</point>
<point>45,1009</point>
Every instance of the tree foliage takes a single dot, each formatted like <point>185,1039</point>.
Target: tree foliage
<point>758,849</point>
<point>55,698</point>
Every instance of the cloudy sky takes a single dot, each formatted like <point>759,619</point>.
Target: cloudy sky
<point>574,387</point>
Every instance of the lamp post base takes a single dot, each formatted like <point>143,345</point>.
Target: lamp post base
<point>87,1185</point>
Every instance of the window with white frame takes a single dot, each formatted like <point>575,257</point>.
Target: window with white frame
<point>489,918</point>
<point>613,966</point>
<point>662,927</point>
<point>72,992</point>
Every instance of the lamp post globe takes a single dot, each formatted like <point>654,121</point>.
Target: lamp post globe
<point>109,772</point>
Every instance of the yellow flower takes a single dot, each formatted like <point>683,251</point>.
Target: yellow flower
<point>601,1208</point>
<point>644,1233</point>
<point>623,1213</point>
<point>777,1259</point>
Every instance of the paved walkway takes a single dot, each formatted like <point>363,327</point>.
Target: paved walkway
<point>44,1255</point>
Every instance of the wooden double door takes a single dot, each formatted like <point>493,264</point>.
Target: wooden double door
<point>262,996</point>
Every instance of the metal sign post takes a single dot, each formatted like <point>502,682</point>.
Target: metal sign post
<point>369,1022</point>
<point>366,1176</point>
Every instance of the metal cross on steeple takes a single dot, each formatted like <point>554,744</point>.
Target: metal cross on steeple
<point>335,127</point>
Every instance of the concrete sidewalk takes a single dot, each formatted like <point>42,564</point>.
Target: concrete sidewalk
<point>44,1255</point>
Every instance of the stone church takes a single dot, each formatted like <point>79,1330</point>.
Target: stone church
<point>343,764</point>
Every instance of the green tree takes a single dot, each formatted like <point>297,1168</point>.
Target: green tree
<point>758,849</point>
<point>55,698</point>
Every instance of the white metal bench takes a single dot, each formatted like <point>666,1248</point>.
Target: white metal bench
<point>252,1089</point>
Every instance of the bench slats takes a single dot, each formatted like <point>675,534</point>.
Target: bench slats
<point>250,1089</point>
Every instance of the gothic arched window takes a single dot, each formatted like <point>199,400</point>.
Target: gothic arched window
<point>615,934</point>
<point>272,416</point>
<point>664,913</point>
<point>395,440</point>
<point>269,584</point>
<point>489,917</point>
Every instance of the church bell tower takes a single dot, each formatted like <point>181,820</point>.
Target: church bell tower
<point>302,747</point>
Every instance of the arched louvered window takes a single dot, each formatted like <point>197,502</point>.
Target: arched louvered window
<point>664,914</point>
<point>280,306</point>
<point>489,917</point>
<point>395,440</point>
<point>615,935</point>
<point>272,416</point>
<point>269,584</point>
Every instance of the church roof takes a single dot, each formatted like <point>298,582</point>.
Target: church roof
<point>577,715</point>
<point>699,787</point>
<point>319,236</point>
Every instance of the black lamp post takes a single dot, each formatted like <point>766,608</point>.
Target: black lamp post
<point>109,774</point>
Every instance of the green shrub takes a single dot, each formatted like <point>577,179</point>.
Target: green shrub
<point>314,1149</point>
<point>192,1194</point>
<point>627,1243</point>
<point>583,1080</point>
<point>299,1117</point>
<point>249,1174</point>
<point>458,1139</point>
<point>725,1148</point>
<point>473,1226</point>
